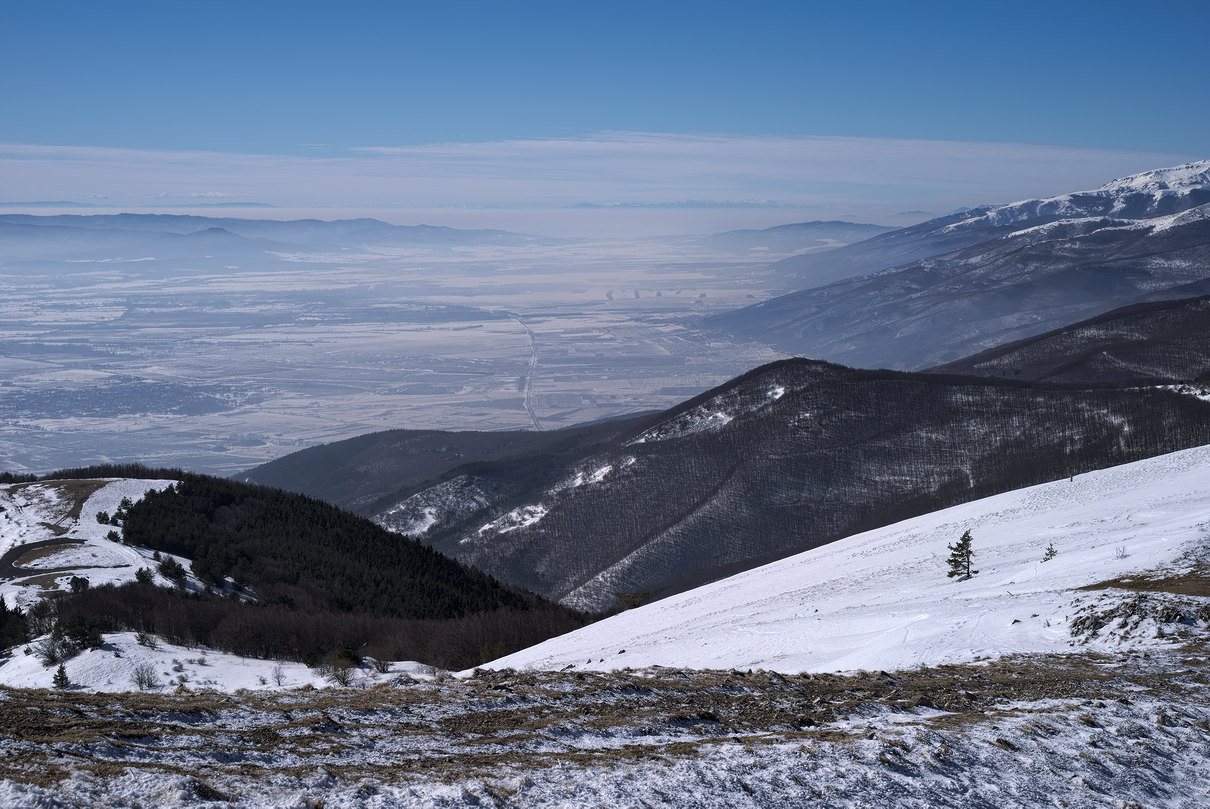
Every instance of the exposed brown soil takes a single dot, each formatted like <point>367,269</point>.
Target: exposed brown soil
<point>1194,583</point>
<point>29,558</point>
<point>48,581</point>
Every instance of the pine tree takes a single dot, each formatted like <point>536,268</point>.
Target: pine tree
<point>960,558</point>
<point>61,679</point>
<point>1050,553</point>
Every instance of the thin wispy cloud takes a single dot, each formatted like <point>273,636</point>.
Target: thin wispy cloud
<point>858,178</point>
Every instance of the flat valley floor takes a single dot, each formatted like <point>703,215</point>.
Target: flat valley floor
<point>219,367</point>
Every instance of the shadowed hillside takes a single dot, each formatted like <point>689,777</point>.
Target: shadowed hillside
<point>1165,341</point>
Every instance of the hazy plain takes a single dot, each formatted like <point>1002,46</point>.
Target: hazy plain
<point>218,354</point>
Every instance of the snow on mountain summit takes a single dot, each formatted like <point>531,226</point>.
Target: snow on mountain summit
<point>1138,196</point>
<point>1175,178</point>
<point>882,599</point>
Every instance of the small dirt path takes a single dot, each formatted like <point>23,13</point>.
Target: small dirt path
<point>9,569</point>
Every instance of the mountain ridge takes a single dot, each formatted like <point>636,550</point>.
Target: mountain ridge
<point>997,274</point>
<point>792,454</point>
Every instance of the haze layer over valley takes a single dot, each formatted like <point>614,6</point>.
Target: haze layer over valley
<point>216,344</point>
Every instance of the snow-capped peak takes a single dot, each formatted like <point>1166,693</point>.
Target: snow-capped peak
<point>1138,196</point>
<point>1189,175</point>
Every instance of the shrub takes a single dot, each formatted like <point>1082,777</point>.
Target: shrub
<point>339,671</point>
<point>628,601</point>
<point>56,648</point>
<point>144,677</point>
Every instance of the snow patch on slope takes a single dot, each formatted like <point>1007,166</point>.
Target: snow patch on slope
<point>518,518</point>
<point>112,667</point>
<point>450,500</point>
<point>587,477</point>
<point>1197,391</point>
<point>711,415</point>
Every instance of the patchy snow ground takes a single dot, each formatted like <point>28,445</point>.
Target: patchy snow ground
<point>1076,731</point>
<point>65,512</point>
<point>112,668</point>
<point>882,599</point>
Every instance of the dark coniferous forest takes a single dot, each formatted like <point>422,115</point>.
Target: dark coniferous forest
<point>309,579</point>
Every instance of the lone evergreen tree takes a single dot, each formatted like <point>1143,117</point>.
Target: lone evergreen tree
<point>960,558</point>
<point>61,679</point>
<point>1050,553</point>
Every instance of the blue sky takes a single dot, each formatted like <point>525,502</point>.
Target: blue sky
<point>103,91</point>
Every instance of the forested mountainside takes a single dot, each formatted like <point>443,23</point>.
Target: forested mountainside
<point>993,275</point>
<point>1147,343</point>
<point>272,574</point>
<point>369,472</point>
<point>789,456</point>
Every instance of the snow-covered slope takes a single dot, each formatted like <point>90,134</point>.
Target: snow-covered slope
<point>112,668</point>
<point>954,286</point>
<point>882,599</point>
<point>61,517</point>
<point>1147,194</point>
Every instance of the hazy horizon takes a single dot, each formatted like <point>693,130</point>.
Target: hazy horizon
<point>622,185</point>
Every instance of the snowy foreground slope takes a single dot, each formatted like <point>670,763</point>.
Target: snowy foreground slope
<point>882,599</point>
<point>1105,707</point>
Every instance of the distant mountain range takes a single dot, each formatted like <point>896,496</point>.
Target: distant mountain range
<point>960,284</point>
<point>184,236</point>
<point>165,236</point>
<point>791,238</point>
<point>297,231</point>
